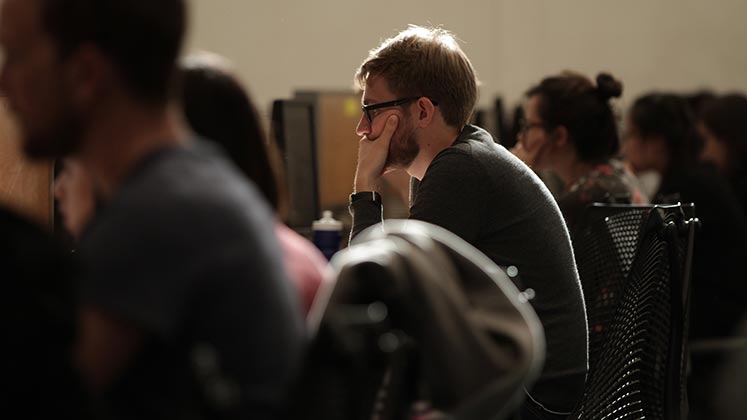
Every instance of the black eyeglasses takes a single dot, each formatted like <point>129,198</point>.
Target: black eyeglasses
<point>368,109</point>
<point>525,126</point>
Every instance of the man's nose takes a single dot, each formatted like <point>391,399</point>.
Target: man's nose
<point>364,127</point>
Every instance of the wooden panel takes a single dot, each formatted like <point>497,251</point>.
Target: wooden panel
<point>24,186</point>
<point>337,148</point>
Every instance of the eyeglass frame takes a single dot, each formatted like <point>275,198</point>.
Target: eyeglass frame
<point>525,126</point>
<point>397,102</point>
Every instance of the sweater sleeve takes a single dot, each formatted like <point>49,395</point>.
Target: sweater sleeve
<point>365,213</point>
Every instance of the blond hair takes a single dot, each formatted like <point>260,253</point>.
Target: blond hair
<point>425,62</point>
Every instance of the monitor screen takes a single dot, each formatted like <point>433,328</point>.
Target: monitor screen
<point>293,125</point>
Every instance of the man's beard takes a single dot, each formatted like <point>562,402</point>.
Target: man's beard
<point>403,148</point>
<point>58,139</point>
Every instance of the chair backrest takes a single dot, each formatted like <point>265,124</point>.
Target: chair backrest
<point>418,315</point>
<point>634,264</point>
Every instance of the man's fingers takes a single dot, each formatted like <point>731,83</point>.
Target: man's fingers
<point>391,125</point>
<point>389,128</point>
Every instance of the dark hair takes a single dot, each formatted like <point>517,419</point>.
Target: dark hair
<point>698,100</point>
<point>142,38</point>
<point>667,116</point>
<point>572,101</point>
<point>726,118</point>
<point>218,108</point>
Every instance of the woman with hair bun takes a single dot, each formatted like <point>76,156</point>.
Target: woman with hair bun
<point>570,129</point>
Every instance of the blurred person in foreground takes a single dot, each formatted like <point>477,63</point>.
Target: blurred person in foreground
<point>173,311</point>
<point>419,90</point>
<point>219,110</point>
<point>569,128</point>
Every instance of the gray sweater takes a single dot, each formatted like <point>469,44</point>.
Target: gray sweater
<point>480,191</point>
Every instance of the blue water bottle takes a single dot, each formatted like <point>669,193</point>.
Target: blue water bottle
<point>327,234</point>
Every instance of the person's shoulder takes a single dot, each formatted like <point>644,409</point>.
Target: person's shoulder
<point>299,247</point>
<point>475,138</point>
<point>473,145</point>
<point>478,146</point>
<point>454,163</point>
<point>192,175</point>
<point>184,187</point>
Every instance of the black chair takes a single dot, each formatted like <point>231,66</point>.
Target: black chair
<point>417,319</point>
<point>634,264</point>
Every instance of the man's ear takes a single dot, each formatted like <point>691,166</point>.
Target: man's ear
<point>426,112</point>
<point>88,72</point>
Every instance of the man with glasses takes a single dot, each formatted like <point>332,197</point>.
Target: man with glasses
<point>419,91</point>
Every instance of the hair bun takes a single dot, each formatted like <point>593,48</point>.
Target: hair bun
<point>608,87</point>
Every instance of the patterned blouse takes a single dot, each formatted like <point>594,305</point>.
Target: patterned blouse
<point>605,183</point>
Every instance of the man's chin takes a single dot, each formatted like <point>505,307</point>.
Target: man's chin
<point>59,137</point>
<point>400,162</point>
<point>35,149</point>
<point>34,152</point>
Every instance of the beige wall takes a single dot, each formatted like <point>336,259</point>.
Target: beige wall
<point>282,45</point>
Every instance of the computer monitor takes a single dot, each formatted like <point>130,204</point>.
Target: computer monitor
<point>502,126</point>
<point>293,127</point>
<point>510,124</point>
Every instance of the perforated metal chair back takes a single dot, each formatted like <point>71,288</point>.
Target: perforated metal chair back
<point>634,264</point>
<point>604,248</point>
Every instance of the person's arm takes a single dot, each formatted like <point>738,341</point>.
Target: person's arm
<point>104,347</point>
<point>372,157</point>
